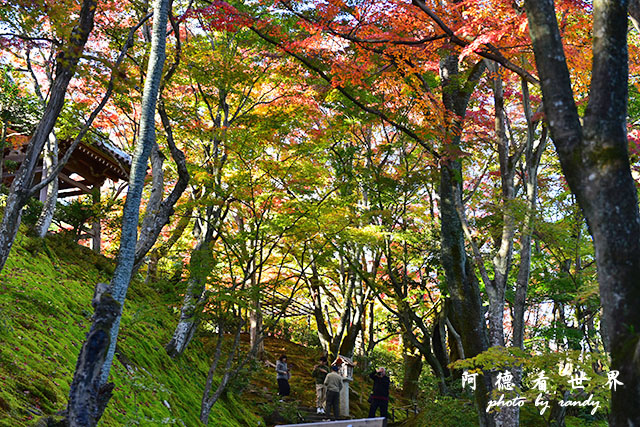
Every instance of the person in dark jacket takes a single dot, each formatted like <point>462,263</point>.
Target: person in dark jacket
<point>283,375</point>
<point>380,395</point>
<point>319,373</point>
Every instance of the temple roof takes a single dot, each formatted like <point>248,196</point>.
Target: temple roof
<point>96,154</point>
<point>94,160</point>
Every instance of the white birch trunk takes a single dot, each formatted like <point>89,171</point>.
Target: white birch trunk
<point>49,164</point>
<point>146,140</point>
<point>189,321</point>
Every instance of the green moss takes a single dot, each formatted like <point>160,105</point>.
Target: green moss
<point>445,411</point>
<point>45,309</point>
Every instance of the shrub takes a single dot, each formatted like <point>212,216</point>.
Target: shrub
<point>76,213</point>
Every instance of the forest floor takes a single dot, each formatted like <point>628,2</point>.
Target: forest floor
<point>45,293</point>
<point>45,311</point>
<point>302,360</point>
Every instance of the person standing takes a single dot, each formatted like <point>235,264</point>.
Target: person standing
<point>380,395</point>
<point>333,382</point>
<point>319,373</point>
<point>282,376</point>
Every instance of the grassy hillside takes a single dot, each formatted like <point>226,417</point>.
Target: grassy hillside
<point>46,289</point>
<point>45,294</point>
<point>45,311</point>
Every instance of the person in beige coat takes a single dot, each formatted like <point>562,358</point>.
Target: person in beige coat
<point>333,382</point>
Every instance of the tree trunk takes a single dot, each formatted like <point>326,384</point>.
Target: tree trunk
<point>146,140</point>
<point>604,332</point>
<point>160,211</point>
<point>533,154</point>
<point>439,343</point>
<point>412,369</point>
<point>161,251</point>
<point>207,403</point>
<point>410,321</point>
<point>558,413</point>
<point>155,195</point>
<point>502,260</point>
<point>595,162</point>
<point>66,63</point>
<point>194,298</point>
<point>49,163</point>
<point>456,351</point>
<point>200,266</point>
<point>634,13</point>
<point>189,318</point>
<point>96,230</point>
<point>208,398</point>
<point>87,396</point>
<point>348,345</point>
<point>466,306</point>
<point>324,334</point>
<point>255,329</point>
<point>371,331</point>
<point>3,141</point>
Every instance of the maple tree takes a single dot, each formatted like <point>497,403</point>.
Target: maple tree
<point>244,83</point>
<point>66,62</point>
<point>380,168</point>
<point>89,391</point>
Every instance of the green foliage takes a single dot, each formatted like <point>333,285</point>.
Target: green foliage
<point>306,336</point>
<point>300,332</point>
<point>558,369</point>
<point>77,213</point>
<point>445,411</point>
<point>201,262</point>
<point>19,110</point>
<point>240,382</point>
<point>633,112</point>
<point>31,212</point>
<point>381,357</point>
<point>287,411</point>
<point>10,165</point>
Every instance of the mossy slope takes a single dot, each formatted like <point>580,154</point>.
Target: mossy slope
<point>45,312</point>
<point>45,293</point>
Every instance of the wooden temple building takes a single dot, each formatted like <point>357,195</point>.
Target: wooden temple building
<point>90,165</point>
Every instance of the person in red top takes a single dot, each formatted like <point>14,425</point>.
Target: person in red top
<point>380,394</point>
